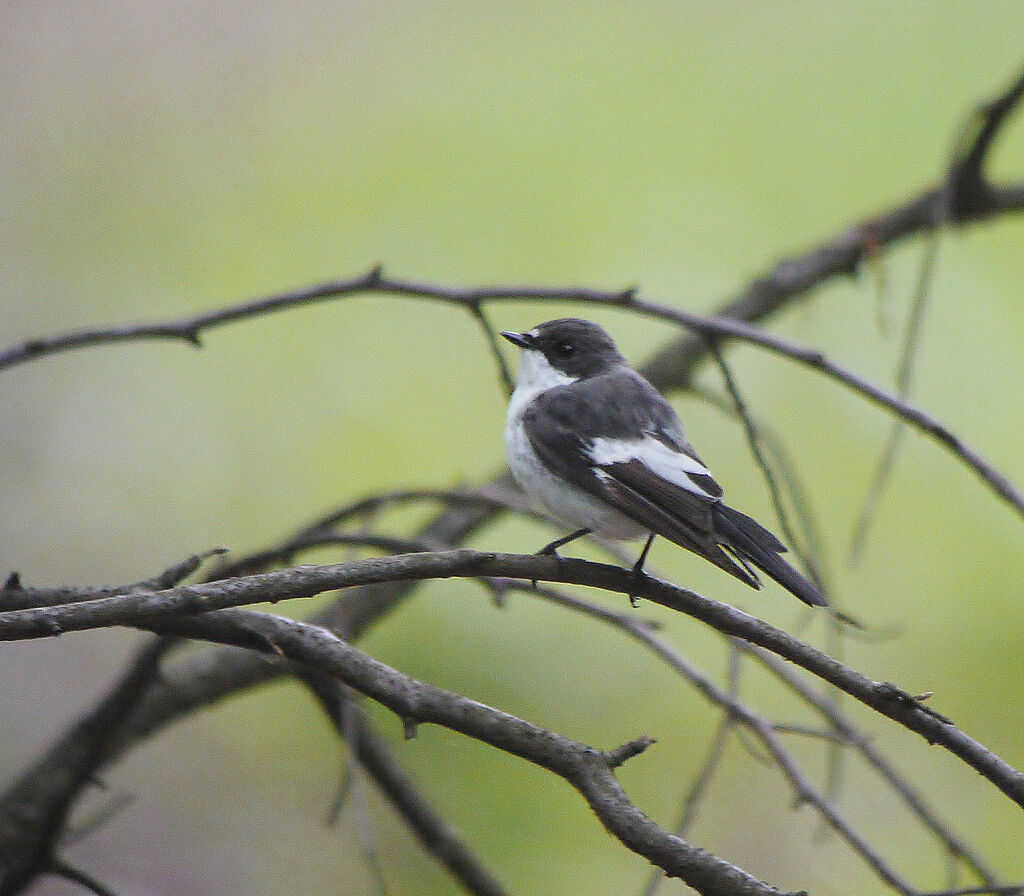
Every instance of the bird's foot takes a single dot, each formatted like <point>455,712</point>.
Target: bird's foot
<point>638,575</point>
<point>551,550</point>
<point>638,572</point>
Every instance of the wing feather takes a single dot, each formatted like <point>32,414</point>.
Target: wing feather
<point>563,429</point>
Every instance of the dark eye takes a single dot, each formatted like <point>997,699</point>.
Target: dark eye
<point>564,349</point>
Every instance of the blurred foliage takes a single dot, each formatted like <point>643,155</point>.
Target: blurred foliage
<point>160,159</point>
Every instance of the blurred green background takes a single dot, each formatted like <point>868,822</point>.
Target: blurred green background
<point>159,159</point>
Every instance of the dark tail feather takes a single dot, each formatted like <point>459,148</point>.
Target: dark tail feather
<point>753,542</point>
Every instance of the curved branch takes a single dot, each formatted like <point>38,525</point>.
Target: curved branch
<point>739,713</point>
<point>34,812</point>
<point>197,680</point>
<point>842,726</point>
<point>589,771</point>
<point>142,609</point>
<point>714,327</point>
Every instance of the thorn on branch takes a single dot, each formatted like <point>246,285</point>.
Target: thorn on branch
<point>409,727</point>
<point>374,276</point>
<point>13,582</point>
<point>627,751</point>
<point>628,295</point>
<point>175,575</point>
<point>886,690</point>
<point>499,589</point>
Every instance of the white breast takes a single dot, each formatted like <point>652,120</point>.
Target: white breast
<point>566,503</point>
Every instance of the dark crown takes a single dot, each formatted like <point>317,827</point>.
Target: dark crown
<point>578,348</point>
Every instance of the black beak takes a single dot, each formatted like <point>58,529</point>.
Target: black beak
<point>523,340</point>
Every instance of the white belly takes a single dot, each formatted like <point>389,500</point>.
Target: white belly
<point>566,503</point>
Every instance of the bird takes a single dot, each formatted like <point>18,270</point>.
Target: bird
<point>602,451</point>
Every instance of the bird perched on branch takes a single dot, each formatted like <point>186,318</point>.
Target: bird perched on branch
<point>601,449</point>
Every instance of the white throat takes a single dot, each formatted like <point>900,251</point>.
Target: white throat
<point>536,375</point>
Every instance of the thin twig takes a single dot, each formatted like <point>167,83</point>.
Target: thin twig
<point>589,771</point>
<point>97,820</point>
<point>781,462</point>
<point>506,377</point>
<point>85,880</point>
<point>490,499</point>
<point>719,327</point>
<point>780,757</point>
<point>824,704</point>
<point>708,327</point>
<point>995,890</point>
<point>904,370</point>
<point>15,596</point>
<point>374,755</point>
<point>754,442</point>
<point>695,795</point>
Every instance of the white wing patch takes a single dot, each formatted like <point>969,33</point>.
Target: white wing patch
<point>673,466</point>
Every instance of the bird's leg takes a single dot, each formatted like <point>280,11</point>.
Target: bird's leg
<point>558,542</point>
<point>552,548</point>
<point>638,567</point>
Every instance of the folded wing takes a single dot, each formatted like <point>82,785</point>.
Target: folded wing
<point>655,479</point>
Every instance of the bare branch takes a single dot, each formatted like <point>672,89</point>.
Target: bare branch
<point>589,771</point>
<point>492,341</point>
<point>708,327</point>
<point>718,327</point>
<point>34,812</point>
<point>969,188</point>
<point>823,703</point>
<point>765,735</point>
<point>488,500</point>
<point>904,370</point>
<point>15,596</point>
<point>1005,890</point>
<point>964,197</point>
<point>207,677</point>
<point>80,877</point>
<point>142,609</point>
<point>810,562</point>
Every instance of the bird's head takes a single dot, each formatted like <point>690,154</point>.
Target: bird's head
<point>571,348</point>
